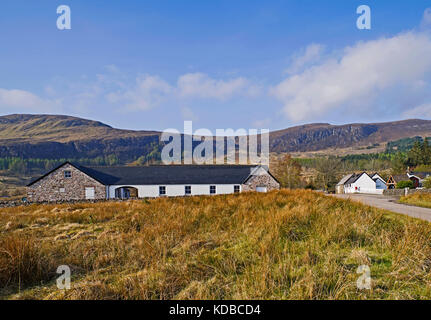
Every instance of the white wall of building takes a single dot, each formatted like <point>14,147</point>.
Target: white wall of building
<point>363,185</point>
<point>152,191</point>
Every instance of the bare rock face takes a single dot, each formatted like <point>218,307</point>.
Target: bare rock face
<point>316,137</point>
<point>309,138</point>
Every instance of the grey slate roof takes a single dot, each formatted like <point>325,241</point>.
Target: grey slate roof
<point>344,179</point>
<point>173,174</point>
<point>354,178</point>
<point>377,178</point>
<point>166,175</point>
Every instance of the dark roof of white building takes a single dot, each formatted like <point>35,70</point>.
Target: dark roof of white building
<point>344,179</point>
<point>165,174</point>
<point>352,178</point>
<point>421,175</point>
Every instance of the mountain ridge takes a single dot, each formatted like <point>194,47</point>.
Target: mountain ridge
<point>62,136</point>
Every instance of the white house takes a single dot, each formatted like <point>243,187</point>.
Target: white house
<point>380,182</point>
<point>74,182</point>
<point>361,183</point>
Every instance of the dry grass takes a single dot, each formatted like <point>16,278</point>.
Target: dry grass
<point>420,200</point>
<point>281,245</point>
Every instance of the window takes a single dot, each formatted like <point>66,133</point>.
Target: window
<point>212,189</point>
<point>67,174</point>
<point>62,190</point>
<point>262,189</point>
<point>188,189</point>
<point>162,190</point>
<point>89,193</point>
<point>236,189</point>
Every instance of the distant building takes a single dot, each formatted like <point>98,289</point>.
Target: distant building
<point>361,183</point>
<point>416,177</point>
<point>73,182</point>
<point>395,179</point>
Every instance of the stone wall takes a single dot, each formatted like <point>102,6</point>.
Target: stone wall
<point>55,187</point>
<point>402,192</point>
<point>263,180</point>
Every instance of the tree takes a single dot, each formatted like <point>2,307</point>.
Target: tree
<point>399,163</point>
<point>426,154</point>
<point>328,168</point>
<point>415,155</point>
<point>405,184</point>
<point>288,172</point>
<point>420,154</point>
<point>18,166</point>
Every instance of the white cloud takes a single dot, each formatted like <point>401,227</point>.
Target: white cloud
<point>148,92</point>
<point>20,100</point>
<point>364,71</point>
<point>310,55</point>
<point>200,85</point>
<point>424,110</point>
<point>426,19</point>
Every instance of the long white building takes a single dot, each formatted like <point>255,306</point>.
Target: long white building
<point>74,182</point>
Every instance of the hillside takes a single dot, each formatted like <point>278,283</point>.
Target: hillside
<point>315,137</point>
<point>280,245</point>
<point>54,137</point>
<point>57,136</point>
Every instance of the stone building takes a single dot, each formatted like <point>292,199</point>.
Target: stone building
<point>74,182</point>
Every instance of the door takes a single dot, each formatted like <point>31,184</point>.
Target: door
<point>262,189</point>
<point>89,193</point>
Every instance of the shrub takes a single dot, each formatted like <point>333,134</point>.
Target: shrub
<point>427,183</point>
<point>405,184</point>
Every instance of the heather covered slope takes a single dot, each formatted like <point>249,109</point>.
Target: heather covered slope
<point>281,245</point>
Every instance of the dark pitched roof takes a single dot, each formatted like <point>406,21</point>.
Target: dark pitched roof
<point>344,180</point>
<point>421,175</point>
<point>377,178</point>
<point>400,177</point>
<point>355,177</point>
<point>373,174</point>
<point>168,175</point>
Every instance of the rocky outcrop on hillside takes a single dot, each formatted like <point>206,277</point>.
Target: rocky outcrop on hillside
<point>59,137</point>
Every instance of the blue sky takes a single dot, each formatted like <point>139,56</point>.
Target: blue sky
<point>239,64</point>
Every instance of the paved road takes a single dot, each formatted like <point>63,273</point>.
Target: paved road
<point>389,203</point>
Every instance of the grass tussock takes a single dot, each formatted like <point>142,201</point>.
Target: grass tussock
<point>417,199</point>
<point>280,245</point>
